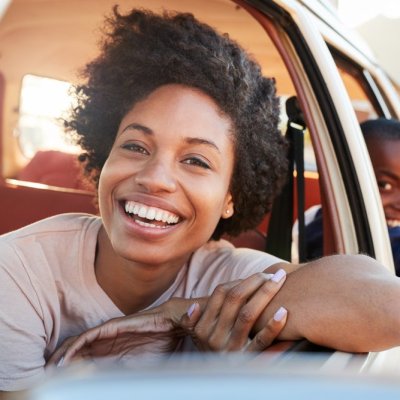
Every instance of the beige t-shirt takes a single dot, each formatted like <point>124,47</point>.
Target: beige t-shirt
<point>49,291</point>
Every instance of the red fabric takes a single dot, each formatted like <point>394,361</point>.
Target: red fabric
<point>54,168</point>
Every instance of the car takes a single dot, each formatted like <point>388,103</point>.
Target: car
<point>326,76</point>
<point>229,378</point>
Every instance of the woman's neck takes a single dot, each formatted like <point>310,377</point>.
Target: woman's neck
<point>130,285</point>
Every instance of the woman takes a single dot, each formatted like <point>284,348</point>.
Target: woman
<point>180,135</point>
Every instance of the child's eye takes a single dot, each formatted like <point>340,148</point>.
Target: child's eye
<point>135,148</point>
<point>195,161</point>
<point>386,186</point>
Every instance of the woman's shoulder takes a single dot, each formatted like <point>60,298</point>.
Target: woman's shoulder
<point>53,225</point>
<point>222,251</point>
<point>40,248</point>
<point>219,261</point>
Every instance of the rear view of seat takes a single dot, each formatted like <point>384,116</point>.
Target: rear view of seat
<point>256,238</point>
<point>54,168</point>
<point>26,202</point>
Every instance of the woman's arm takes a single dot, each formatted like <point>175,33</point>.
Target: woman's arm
<point>221,322</point>
<point>345,302</point>
<point>350,303</point>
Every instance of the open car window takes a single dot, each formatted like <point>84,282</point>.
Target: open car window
<point>36,152</point>
<point>281,38</point>
<point>44,103</point>
<point>57,47</point>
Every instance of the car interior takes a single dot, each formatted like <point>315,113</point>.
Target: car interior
<point>39,176</point>
<point>45,43</point>
<point>42,51</point>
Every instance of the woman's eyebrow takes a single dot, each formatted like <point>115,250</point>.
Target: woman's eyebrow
<point>195,140</point>
<point>138,127</point>
<point>189,140</point>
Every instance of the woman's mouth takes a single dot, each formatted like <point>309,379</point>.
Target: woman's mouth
<point>150,217</point>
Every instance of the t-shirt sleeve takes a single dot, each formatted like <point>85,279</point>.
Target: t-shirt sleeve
<point>22,333</point>
<point>220,262</point>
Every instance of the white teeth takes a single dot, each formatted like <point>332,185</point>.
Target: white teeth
<point>150,213</point>
<point>164,217</point>
<point>172,219</point>
<point>148,225</point>
<point>142,212</point>
<point>158,216</point>
<point>392,223</point>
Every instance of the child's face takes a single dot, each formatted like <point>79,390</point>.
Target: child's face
<point>166,182</point>
<point>385,157</point>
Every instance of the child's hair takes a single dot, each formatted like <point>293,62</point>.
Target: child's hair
<point>143,51</point>
<point>381,128</point>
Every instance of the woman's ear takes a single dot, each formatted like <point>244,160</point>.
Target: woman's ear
<point>228,209</point>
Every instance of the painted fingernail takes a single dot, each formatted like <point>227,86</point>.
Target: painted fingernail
<point>280,314</point>
<point>191,310</point>
<point>268,276</point>
<point>61,362</point>
<point>279,275</point>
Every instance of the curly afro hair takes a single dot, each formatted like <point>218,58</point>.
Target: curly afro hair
<point>142,51</point>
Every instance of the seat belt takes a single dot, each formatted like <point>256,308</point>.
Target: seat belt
<point>279,236</point>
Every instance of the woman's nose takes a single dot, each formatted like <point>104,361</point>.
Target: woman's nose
<point>156,176</point>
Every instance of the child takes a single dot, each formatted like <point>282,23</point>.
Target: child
<point>382,137</point>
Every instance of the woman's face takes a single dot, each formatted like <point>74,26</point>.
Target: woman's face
<point>165,184</point>
<point>385,160</point>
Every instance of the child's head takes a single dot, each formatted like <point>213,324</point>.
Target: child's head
<point>382,137</point>
<point>143,51</point>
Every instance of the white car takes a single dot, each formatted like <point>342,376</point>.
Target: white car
<point>330,76</point>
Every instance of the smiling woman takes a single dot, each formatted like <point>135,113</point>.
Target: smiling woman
<point>166,163</point>
<point>180,135</point>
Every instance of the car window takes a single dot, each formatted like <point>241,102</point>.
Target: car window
<point>35,147</point>
<point>43,104</point>
<point>37,102</point>
<point>360,101</point>
<point>368,100</point>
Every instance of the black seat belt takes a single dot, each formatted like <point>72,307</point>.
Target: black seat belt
<point>279,236</point>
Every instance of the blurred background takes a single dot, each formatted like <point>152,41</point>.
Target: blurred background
<point>378,23</point>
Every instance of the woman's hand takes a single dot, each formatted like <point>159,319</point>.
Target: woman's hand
<point>344,302</point>
<point>231,312</point>
<point>222,322</point>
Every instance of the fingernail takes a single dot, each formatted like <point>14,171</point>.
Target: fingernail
<point>279,275</point>
<point>268,276</point>
<point>191,310</point>
<point>280,314</point>
<point>61,362</point>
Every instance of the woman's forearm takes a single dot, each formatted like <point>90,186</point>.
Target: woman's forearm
<point>349,303</point>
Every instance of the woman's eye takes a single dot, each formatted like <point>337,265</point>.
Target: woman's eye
<point>385,185</point>
<point>197,162</point>
<point>135,148</point>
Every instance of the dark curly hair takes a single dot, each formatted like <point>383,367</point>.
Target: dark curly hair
<point>143,51</point>
<point>381,128</point>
